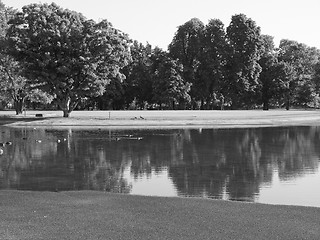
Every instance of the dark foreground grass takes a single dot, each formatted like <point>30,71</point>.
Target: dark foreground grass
<point>99,215</point>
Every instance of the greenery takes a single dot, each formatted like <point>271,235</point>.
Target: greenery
<point>55,57</point>
<point>66,55</point>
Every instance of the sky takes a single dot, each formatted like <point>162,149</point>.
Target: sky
<point>156,21</point>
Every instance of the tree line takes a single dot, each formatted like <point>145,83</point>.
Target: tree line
<point>57,57</point>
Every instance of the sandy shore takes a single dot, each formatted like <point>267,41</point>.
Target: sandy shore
<point>100,215</point>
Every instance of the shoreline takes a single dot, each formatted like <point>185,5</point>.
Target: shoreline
<point>164,119</point>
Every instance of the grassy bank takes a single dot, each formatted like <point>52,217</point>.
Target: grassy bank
<point>138,119</point>
<point>97,215</point>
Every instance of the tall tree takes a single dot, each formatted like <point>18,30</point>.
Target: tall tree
<point>302,60</point>
<point>185,47</point>
<point>65,54</point>
<point>316,75</point>
<point>12,83</point>
<point>316,81</point>
<point>244,53</point>
<point>211,72</point>
<point>138,82</point>
<point>269,64</point>
<point>169,87</point>
<point>285,85</point>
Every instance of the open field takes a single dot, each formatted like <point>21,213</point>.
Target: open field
<point>172,119</point>
<point>99,215</point>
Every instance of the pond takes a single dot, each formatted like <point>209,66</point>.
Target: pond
<point>266,165</point>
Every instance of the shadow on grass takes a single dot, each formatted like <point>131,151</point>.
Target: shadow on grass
<point>6,119</point>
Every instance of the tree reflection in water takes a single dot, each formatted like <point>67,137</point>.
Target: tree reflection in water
<point>216,163</point>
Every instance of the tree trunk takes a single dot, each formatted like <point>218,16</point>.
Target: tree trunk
<point>66,113</point>
<point>287,101</point>
<point>202,104</point>
<point>265,105</point>
<point>18,106</point>
<point>287,104</point>
<point>65,105</point>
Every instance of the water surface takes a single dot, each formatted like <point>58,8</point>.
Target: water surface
<point>268,165</point>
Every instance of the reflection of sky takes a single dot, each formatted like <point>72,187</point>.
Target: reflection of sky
<point>302,191</point>
<point>276,165</point>
<point>155,184</point>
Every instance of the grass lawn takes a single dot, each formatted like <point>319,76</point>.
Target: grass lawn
<point>169,119</point>
<point>99,215</point>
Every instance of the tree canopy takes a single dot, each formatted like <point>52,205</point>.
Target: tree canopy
<point>301,60</point>
<point>50,53</point>
<point>244,52</point>
<point>65,54</point>
<point>13,85</point>
<point>169,86</point>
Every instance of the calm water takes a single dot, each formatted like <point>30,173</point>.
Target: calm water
<point>269,165</point>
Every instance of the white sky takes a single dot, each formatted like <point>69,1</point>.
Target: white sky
<point>156,21</point>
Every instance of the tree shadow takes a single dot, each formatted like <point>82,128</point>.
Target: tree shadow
<point>13,119</point>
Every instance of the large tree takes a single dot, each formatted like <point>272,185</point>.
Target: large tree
<point>316,81</point>
<point>12,83</point>
<point>243,60</point>
<point>284,73</point>
<point>168,86</point>
<point>138,82</point>
<point>13,86</point>
<point>211,72</point>
<point>302,60</point>
<point>268,76</point>
<point>65,54</point>
<point>186,47</point>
